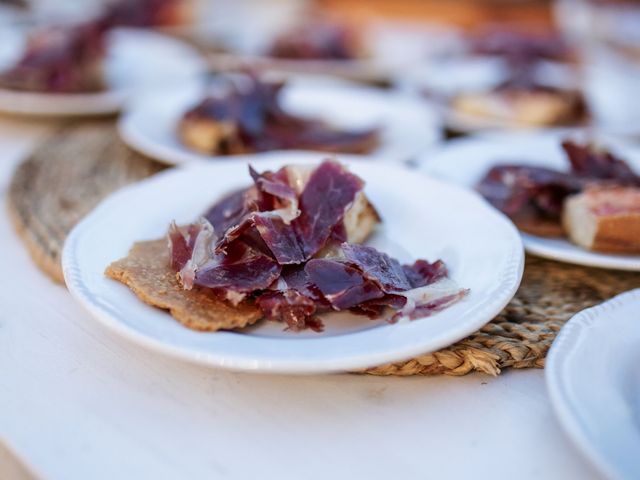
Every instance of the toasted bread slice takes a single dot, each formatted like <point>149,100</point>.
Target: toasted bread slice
<point>146,271</point>
<point>541,228</point>
<point>210,137</point>
<point>534,108</point>
<point>605,219</point>
<point>360,219</point>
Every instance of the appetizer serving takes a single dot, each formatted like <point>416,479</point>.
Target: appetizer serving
<point>61,60</point>
<point>287,249</point>
<point>242,114</point>
<point>603,217</point>
<point>71,58</point>
<point>354,276</point>
<point>569,198</point>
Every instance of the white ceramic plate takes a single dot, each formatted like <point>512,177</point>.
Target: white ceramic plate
<point>136,61</point>
<point>423,218</point>
<point>408,125</point>
<point>594,384</point>
<point>393,48</point>
<point>466,161</point>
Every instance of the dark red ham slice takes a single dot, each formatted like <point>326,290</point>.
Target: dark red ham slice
<point>295,300</point>
<point>343,285</point>
<point>376,308</point>
<point>242,269</point>
<point>378,266</point>
<point>296,278</point>
<point>230,210</point>
<point>326,197</point>
<point>281,239</point>
<point>526,191</point>
<point>179,250</point>
<point>290,307</point>
<point>261,124</point>
<point>368,281</point>
<point>423,273</point>
<point>274,189</point>
<point>590,162</point>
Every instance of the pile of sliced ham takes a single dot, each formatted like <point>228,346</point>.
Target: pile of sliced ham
<point>249,109</point>
<point>283,243</point>
<point>525,191</point>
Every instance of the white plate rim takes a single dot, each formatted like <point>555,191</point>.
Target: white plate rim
<point>486,310</point>
<point>567,343</point>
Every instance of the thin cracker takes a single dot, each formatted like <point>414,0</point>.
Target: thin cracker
<point>146,271</point>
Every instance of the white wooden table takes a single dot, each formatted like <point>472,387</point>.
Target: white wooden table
<point>78,403</point>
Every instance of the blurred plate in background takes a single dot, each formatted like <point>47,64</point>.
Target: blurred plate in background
<point>136,61</point>
<point>408,125</point>
<point>392,49</point>
<point>465,161</point>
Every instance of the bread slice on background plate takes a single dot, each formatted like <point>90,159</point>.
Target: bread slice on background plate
<point>605,219</point>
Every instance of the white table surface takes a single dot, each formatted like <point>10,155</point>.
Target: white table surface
<point>77,402</point>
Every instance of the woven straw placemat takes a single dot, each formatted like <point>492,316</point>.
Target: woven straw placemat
<point>83,162</point>
<point>67,175</point>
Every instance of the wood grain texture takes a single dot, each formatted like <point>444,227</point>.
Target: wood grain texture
<point>82,163</point>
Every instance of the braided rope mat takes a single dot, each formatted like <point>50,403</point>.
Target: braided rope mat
<point>67,175</point>
<point>83,162</point>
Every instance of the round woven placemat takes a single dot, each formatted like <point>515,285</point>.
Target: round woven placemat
<point>67,175</point>
<point>83,162</point>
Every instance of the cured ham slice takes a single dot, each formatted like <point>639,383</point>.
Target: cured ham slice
<point>290,307</point>
<point>252,271</point>
<point>282,239</point>
<point>587,161</point>
<point>514,188</point>
<point>230,210</point>
<point>324,201</point>
<point>379,266</point>
<point>343,285</point>
<point>370,280</point>
<point>423,273</point>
